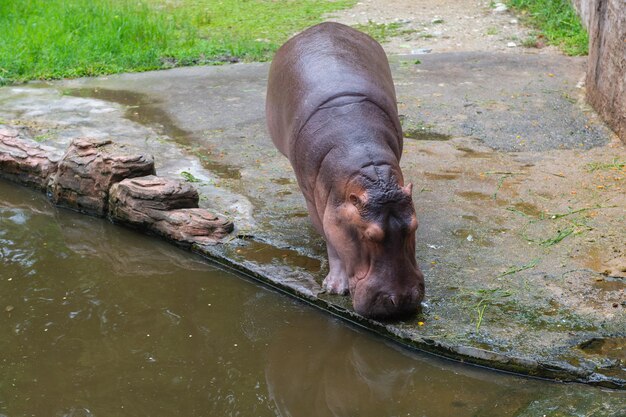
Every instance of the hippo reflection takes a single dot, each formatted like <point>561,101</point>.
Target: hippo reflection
<point>348,373</point>
<point>331,109</point>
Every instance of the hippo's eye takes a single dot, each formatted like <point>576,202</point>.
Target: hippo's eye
<point>375,233</point>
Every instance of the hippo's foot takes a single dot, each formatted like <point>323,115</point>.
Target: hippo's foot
<point>335,283</point>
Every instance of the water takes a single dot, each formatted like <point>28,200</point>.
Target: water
<point>97,320</point>
<point>141,109</point>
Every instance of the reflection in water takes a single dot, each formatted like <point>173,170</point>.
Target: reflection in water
<point>268,254</point>
<point>97,320</point>
<point>348,374</point>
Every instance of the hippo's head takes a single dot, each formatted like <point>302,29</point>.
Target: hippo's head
<point>374,236</point>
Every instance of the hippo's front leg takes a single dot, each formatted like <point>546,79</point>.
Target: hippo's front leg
<point>336,282</point>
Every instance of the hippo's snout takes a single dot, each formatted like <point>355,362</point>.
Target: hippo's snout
<point>388,304</point>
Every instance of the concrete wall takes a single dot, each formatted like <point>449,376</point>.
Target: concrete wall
<point>583,7</point>
<point>606,65</point>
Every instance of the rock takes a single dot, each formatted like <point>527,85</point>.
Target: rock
<point>88,170</point>
<point>166,207</point>
<point>511,45</point>
<point>24,162</point>
<point>194,225</point>
<point>132,201</point>
<point>500,8</point>
<point>154,193</point>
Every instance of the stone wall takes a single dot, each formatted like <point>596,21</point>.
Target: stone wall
<point>606,65</point>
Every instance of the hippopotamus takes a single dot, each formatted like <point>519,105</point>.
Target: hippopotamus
<point>331,109</point>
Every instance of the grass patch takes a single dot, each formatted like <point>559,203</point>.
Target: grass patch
<point>48,39</point>
<point>515,269</point>
<point>560,225</point>
<point>189,177</point>
<point>554,216</point>
<point>486,298</point>
<point>419,126</point>
<point>557,21</point>
<point>615,165</point>
<point>533,41</point>
<point>492,31</point>
<point>560,235</point>
<point>41,138</point>
<point>504,176</point>
<point>383,31</point>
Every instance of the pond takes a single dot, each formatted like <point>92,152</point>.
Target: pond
<point>99,320</point>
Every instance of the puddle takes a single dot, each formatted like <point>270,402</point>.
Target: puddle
<point>282,181</point>
<point>140,109</point>
<point>264,253</point>
<point>300,214</point>
<point>613,347</point>
<point>464,233</point>
<point>471,218</point>
<point>595,259</point>
<point>474,195</point>
<point>472,153</point>
<point>610,284</point>
<point>221,170</point>
<point>528,209</point>
<point>441,176</point>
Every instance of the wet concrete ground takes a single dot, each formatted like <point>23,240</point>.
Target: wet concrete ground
<point>519,191</point>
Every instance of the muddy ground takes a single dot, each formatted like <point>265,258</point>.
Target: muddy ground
<point>519,189</point>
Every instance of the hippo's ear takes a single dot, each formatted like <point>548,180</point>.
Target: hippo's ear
<point>408,189</point>
<point>356,200</point>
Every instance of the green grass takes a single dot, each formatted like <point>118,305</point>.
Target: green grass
<point>558,23</point>
<point>48,39</point>
<point>189,177</point>
<point>383,31</point>
<point>492,31</point>
<point>560,235</point>
<point>515,269</point>
<point>615,165</point>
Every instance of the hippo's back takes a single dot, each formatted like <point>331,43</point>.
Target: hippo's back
<point>325,62</point>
